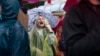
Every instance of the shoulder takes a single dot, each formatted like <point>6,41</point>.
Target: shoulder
<point>78,8</point>
<point>74,14</point>
<point>74,9</point>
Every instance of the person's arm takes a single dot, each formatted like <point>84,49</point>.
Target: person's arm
<point>18,41</point>
<point>78,40</point>
<point>51,35</point>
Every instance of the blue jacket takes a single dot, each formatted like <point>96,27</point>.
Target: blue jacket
<point>13,37</point>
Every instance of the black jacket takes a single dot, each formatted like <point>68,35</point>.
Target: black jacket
<point>81,30</point>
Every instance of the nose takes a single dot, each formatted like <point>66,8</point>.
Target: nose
<point>41,18</point>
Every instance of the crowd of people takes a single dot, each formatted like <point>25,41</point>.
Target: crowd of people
<point>73,32</point>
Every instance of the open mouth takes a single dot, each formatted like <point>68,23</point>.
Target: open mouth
<point>41,22</point>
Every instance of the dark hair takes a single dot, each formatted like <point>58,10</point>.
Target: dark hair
<point>83,0</point>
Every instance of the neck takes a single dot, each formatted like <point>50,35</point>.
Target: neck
<point>94,2</point>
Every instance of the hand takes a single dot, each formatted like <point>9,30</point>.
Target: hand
<point>39,52</point>
<point>48,27</point>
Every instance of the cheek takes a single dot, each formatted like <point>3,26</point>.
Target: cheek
<point>42,20</point>
<point>38,21</point>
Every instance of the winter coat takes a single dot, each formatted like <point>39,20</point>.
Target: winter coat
<point>41,42</point>
<point>81,30</point>
<point>13,37</point>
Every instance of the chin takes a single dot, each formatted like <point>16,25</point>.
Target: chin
<point>41,26</point>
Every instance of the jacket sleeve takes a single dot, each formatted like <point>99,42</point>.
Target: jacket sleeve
<point>19,41</point>
<point>79,42</point>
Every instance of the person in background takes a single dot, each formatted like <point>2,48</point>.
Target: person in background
<point>58,35</point>
<point>13,37</point>
<point>81,29</point>
<point>62,42</point>
<point>42,38</point>
<point>58,30</point>
<point>23,7</point>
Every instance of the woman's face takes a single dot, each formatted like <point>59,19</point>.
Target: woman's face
<point>40,22</point>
